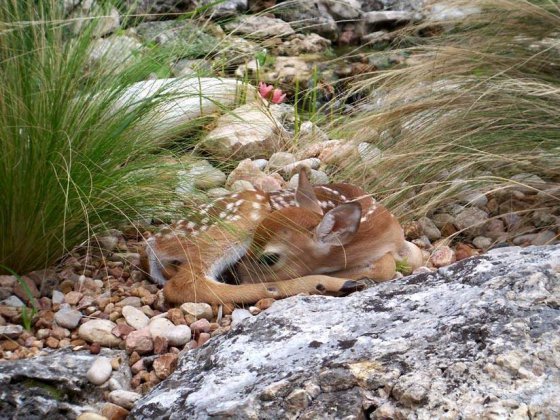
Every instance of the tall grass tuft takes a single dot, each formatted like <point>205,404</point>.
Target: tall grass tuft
<point>72,162</point>
<point>476,104</point>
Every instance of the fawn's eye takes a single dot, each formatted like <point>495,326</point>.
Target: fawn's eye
<point>269,259</point>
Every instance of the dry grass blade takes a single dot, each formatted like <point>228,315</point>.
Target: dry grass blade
<point>475,105</point>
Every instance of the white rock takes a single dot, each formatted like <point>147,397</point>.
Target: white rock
<point>91,416</point>
<point>292,168</point>
<point>242,185</point>
<point>446,12</point>
<point>11,331</point>
<point>387,16</point>
<point>68,317</point>
<point>117,51</point>
<point>125,399</point>
<point>100,371</point>
<point>199,310</point>
<point>429,228</point>
<point>280,159</point>
<point>482,242</point>
<point>217,192</point>
<point>248,131</point>
<point>13,301</point>
<point>177,335</point>
<point>345,9</point>
<point>57,297</point>
<point>135,317</point>
<point>256,26</point>
<point>188,99</point>
<point>238,315</point>
<point>99,331</point>
<point>472,220</point>
<point>316,178</point>
<point>546,237</point>
<point>201,175</point>
<point>310,133</point>
<point>260,163</point>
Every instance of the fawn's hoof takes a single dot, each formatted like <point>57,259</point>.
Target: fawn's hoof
<point>351,286</point>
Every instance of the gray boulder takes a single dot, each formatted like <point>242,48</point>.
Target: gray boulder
<point>478,339</point>
<point>54,386</point>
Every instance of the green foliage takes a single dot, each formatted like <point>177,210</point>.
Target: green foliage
<point>403,267</point>
<point>75,158</point>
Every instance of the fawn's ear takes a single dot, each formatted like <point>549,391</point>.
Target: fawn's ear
<point>305,196</point>
<point>340,224</point>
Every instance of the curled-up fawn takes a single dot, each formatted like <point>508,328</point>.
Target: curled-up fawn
<point>316,239</point>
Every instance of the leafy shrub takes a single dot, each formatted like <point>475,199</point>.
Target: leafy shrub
<point>73,162</point>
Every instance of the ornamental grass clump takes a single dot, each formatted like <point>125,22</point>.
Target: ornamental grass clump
<point>475,105</point>
<point>74,160</point>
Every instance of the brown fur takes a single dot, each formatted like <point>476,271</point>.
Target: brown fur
<point>307,265</point>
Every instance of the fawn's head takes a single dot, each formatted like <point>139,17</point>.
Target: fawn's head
<point>299,240</point>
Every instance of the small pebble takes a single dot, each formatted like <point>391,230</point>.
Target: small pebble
<point>202,325</point>
<point>482,242</point>
<point>130,301</point>
<point>177,335</point>
<point>165,365</point>
<point>72,298</point>
<point>99,331</point>
<point>198,310</point>
<point>124,398</point>
<point>135,317</point>
<point>91,416</point>
<point>139,341</point>
<point>114,412</point>
<point>11,331</point>
<point>442,257</point>
<point>57,297</point>
<point>100,371</point>
<point>95,348</point>
<point>68,318</point>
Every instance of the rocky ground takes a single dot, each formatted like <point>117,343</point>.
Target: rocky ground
<point>477,339</point>
<point>99,321</point>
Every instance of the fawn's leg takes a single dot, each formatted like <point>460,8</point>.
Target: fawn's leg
<point>177,290</point>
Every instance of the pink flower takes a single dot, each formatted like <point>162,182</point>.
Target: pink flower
<point>277,96</point>
<point>265,89</point>
<point>273,95</point>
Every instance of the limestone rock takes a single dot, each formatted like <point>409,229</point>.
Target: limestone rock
<point>52,386</point>
<point>99,331</point>
<point>308,16</point>
<point>68,318</point>
<point>188,99</point>
<point>474,338</point>
<point>100,371</point>
<point>117,51</point>
<point>249,131</point>
<point>254,26</point>
<point>135,317</point>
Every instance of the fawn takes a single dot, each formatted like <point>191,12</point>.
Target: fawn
<point>316,239</point>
